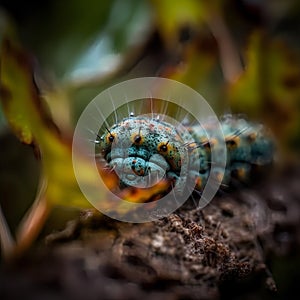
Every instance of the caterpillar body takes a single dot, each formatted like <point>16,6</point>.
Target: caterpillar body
<point>143,150</point>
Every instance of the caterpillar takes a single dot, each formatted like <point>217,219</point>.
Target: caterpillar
<point>146,148</point>
<point>155,139</point>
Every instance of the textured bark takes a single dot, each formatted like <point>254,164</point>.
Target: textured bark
<point>225,250</point>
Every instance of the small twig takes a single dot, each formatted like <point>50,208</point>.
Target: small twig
<point>229,55</point>
<point>33,221</point>
<point>6,240</point>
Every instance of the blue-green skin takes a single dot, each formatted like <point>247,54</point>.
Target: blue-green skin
<point>136,151</point>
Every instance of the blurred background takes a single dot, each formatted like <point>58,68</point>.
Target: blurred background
<point>241,55</point>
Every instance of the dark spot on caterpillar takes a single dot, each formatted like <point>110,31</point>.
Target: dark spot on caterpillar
<point>137,139</point>
<point>163,148</point>
<point>230,143</point>
<point>206,145</point>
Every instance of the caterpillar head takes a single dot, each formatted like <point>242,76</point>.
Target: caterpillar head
<point>142,151</point>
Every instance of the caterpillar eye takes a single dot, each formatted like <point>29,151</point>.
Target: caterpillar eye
<point>232,142</point>
<point>137,139</point>
<point>111,137</point>
<point>163,148</point>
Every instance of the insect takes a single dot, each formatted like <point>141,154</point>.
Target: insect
<point>144,149</point>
